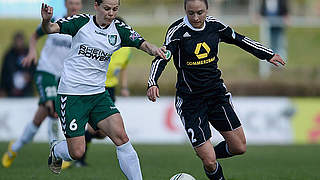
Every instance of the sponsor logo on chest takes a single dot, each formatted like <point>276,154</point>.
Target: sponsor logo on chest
<point>93,53</point>
<point>202,57</point>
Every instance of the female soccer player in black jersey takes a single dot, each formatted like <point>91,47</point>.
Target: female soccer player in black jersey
<point>201,96</point>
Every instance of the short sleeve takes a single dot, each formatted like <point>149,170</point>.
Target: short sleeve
<point>129,37</point>
<point>72,24</point>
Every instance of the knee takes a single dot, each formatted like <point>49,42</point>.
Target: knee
<point>240,149</point>
<point>77,153</point>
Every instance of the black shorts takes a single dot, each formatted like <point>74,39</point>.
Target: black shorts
<point>197,111</point>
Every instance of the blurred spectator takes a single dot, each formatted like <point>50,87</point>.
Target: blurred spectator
<point>16,81</point>
<point>273,27</point>
<point>318,8</point>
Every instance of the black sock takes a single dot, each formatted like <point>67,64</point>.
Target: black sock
<point>222,150</point>
<point>217,174</point>
<point>88,136</point>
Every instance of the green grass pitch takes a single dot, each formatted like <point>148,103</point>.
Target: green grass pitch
<point>160,162</point>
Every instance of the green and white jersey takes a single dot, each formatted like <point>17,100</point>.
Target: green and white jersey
<point>85,68</point>
<point>54,51</point>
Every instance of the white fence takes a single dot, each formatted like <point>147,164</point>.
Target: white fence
<point>265,120</point>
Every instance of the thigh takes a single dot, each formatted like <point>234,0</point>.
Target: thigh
<point>193,114</point>
<point>113,127</point>
<point>104,107</point>
<point>46,86</point>
<point>222,115</point>
<point>73,112</point>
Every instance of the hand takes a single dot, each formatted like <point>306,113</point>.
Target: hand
<point>276,60</point>
<point>46,12</point>
<point>153,93</point>
<point>50,107</point>
<point>153,50</point>
<point>30,59</point>
<point>160,52</point>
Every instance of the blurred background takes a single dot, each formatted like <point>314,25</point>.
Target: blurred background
<point>277,106</point>
<point>240,71</point>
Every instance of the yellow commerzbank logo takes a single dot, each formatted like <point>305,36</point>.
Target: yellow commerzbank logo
<point>201,56</point>
<point>197,51</point>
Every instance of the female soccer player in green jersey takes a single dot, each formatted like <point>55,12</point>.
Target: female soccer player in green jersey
<point>81,93</point>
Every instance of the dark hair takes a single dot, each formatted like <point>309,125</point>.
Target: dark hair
<point>100,1</point>
<point>205,2</point>
<point>18,35</point>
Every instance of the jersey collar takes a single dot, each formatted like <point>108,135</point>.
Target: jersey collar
<point>185,20</point>
<point>95,22</point>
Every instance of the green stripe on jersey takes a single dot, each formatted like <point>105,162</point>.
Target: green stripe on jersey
<point>72,24</point>
<point>129,37</point>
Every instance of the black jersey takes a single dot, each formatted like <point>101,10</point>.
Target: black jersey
<point>195,55</point>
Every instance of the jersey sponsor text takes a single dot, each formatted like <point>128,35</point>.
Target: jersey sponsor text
<point>194,63</point>
<point>93,53</point>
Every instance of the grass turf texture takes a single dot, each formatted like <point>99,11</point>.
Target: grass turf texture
<point>160,162</point>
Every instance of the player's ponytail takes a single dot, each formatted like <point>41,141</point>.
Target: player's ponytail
<point>205,2</point>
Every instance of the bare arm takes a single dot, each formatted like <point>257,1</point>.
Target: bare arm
<point>152,49</point>
<point>31,57</point>
<point>47,26</point>
<point>124,82</point>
